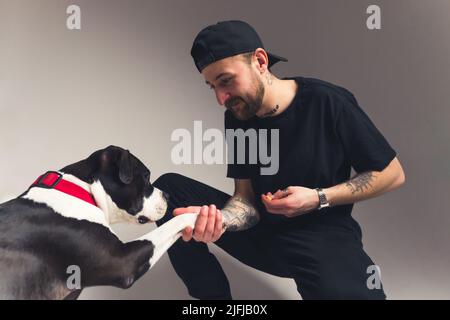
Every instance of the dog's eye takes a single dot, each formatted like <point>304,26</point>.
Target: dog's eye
<point>147,176</point>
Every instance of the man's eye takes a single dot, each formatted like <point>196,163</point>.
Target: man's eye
<point>222,83</point>
<point>226,81</point>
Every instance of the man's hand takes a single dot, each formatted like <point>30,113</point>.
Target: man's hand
<point>208,226</point>
<point>291,201</point>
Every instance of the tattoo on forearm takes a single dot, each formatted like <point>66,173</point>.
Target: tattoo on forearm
<point>360,182</point>
<point>239,214</point>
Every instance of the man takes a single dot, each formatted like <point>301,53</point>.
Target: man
<point>297,222</point>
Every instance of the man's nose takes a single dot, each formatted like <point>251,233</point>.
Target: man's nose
<point>222,97</point>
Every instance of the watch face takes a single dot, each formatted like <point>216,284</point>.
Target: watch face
<point>323,202</point>
<point>322,199</point>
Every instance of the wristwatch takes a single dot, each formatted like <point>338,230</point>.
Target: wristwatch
<point>323,202</point>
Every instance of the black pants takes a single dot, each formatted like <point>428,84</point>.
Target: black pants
<point>326,261</point>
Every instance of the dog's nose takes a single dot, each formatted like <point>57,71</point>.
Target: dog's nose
<point>166,195</point>
<point>143,219</point>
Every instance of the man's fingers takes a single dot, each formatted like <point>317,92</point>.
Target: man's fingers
<point>187,234</point>
<point>280,194</point>
<point>182,210</point>
<point>200,223</point>
<point>278,206</point>
<point>218,227</point>
<point>208,226</point>
<point>209,229</point>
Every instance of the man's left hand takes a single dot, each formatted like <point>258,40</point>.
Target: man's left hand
<point>291,201</point>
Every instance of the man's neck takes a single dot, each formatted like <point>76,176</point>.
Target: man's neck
<point>278,96</point>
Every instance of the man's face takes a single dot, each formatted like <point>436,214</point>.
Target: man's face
<point>237,86</point>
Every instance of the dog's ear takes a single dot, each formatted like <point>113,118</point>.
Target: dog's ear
<point>96,162</point>
<point>86,169</point>
<point>103,159</point>
<point>125,167</point>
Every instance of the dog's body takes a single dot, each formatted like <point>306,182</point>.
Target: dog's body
<point>45,231</point>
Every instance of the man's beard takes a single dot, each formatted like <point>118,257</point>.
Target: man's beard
<point>247,107</point>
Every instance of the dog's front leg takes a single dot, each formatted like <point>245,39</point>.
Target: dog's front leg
<point>165,236</point>
<point>127,262</point>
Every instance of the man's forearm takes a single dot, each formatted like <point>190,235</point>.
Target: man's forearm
<point>239,214</point>
<point>360,187</point>
<point>363,186</point>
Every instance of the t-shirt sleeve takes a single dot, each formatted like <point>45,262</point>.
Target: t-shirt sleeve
<point>364,145</point>
<point>234,169</point>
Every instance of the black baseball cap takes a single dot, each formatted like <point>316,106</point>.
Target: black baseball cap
<point>225,39</point>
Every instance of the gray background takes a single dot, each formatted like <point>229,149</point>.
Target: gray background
<point>127,79</point>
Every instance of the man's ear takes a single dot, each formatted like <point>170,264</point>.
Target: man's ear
<point>125,167</point>
<point>263,59</point>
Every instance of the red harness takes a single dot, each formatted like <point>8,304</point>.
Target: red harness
<point>54,180</point>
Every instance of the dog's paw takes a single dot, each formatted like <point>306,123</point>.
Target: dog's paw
<point>128,281</point>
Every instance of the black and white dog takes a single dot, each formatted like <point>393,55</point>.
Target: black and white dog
<point>64,219</point>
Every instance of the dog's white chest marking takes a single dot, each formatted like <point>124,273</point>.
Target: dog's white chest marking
<point>67,205</point>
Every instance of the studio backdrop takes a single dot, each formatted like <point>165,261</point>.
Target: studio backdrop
<point>122,74</point>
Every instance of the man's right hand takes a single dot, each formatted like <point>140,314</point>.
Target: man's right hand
<point>208,226</point>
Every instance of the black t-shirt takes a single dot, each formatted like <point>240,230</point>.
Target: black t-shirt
<point>323,133</point>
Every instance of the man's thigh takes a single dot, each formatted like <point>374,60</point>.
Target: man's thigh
<point>329,262</point>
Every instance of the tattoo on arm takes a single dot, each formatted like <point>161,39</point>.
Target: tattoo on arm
<point>239,214</point>
<point>360,182</point>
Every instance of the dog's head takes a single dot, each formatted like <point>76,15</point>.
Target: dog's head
<point>120,184</point>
